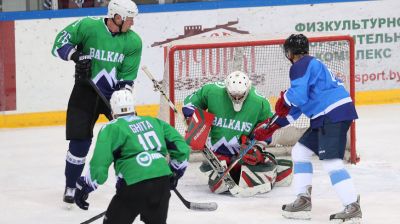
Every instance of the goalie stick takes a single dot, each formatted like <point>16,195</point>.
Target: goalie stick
<point>234,189</point>
<point>158,87</point>
<point>205,206</point>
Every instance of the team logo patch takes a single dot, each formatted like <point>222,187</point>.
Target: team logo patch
<point>144,159</point>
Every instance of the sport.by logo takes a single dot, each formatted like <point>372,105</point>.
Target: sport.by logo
<point>144,159</point>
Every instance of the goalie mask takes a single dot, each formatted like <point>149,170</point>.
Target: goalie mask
<point>124,8</point>
<point>238,86</point>
<point>296,44</point>
<point>122,103</point>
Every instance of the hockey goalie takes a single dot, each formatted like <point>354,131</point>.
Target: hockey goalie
<point>236,109</point>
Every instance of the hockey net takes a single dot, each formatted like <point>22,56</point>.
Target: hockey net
<point>192,62</point>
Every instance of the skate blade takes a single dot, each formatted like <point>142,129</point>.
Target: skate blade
<point>349,221</point>
<point>303,215</point>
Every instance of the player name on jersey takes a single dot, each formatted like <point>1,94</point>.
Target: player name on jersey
<point>109,56</point>
<point>232,124</point>
<point>140,126</point>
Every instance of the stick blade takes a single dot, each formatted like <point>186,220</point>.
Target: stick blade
<point>208,206</point>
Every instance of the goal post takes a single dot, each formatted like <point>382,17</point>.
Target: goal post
<point>190,63</point>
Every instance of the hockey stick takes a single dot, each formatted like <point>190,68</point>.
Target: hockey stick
<point>102,97</point>
<point>244,152</point>
<point>158,87</point>
<point>94,218</point>
<point>205,206</point>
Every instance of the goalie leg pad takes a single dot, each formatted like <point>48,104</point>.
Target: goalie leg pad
<point>257,179</point>
<point>285,173</point>
<point>216,187</point>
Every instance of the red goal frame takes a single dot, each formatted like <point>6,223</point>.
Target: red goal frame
<point>248,43</point>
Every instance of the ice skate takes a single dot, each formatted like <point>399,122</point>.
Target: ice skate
<point>351,214</point>
<point>300,208</point>
<point>68,197</point>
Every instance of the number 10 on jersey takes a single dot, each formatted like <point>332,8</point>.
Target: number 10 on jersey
<point>146,138</point>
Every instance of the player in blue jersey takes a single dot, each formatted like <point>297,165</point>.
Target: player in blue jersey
<point>316,92</point>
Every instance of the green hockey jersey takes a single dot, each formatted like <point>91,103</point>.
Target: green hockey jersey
<point>228,125</point>
<point>114,57</point>
<point>138,146</point>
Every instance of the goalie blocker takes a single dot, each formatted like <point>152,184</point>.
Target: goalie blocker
<point>198,129</point>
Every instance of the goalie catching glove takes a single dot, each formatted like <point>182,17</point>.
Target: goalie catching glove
<point>253,157</point>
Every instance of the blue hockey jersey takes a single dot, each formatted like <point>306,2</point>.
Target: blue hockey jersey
<point>317,93</point>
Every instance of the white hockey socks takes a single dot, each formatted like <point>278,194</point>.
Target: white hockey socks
<point>303,169</point>
<point>341,180</point>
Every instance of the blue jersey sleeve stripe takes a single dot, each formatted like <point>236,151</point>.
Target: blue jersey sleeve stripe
<point>286,100</point>
<point>63,51</point>
<point>282,121</point>
<point>294,114</point>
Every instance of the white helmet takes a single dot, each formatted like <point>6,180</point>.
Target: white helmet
<point>122,102</point>
<point>124,8</point>
<point>238,86</point>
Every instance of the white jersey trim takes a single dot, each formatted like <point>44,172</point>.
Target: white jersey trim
<point>290,119</point>
<point>333,106</point>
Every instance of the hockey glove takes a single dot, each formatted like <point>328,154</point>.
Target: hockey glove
<point>83,64</point>
<point>177,173</point>
<point>253,157</point>
<point>262,134</point>
<point>281,109</point>
<point>82,193</point>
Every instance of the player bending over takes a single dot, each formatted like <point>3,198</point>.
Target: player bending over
<point>238,108</point>
<point>317,93</point>
<point>107,53</point>
<point>138,146</point>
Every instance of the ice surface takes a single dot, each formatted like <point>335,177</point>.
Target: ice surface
<point>32,181</point>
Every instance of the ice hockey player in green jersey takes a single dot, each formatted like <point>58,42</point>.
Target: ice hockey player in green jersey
<point>238,108</point>
<point>107,55</point>
<point>138,146</point>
